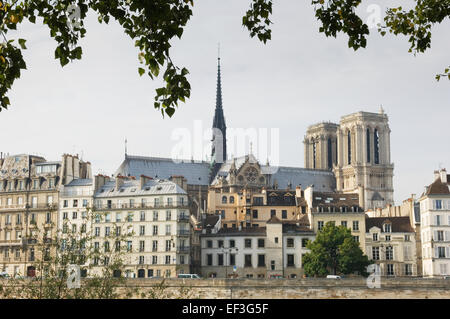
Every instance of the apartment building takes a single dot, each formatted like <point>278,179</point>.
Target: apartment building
<point>275,250</point>
<point>154,214</point>
<point>391,244</point>
<point>435,226</point>
<point>29,194</point>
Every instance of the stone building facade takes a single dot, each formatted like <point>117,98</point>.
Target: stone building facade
<point>29,195</point>
<point>358,152</point>
<point>435,226</point>
<point>154,214</point>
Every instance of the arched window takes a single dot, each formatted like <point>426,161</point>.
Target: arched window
<point>376,144</point>
<point>330,154</point>
<point>368,145</point>
<point>224,199</point>
<point>349,148</point>
<point>231,199</point>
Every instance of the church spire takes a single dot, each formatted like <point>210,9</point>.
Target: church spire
<point>219,139</point>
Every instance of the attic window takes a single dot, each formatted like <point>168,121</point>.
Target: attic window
<point>342,198</point>
<point>147,188</point>
<point>133,190</point>
<point>102,190</point>
<point>112,190</point>
<point>121,190</point>
<point>159,188</point>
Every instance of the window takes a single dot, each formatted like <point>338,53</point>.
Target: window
<point>276,240</point>
<point>255,213</point>
<point>220,243</point>
<point>284,214</point>
<point>224,199</point>
<point>440,252</point>
<point>290,242</point>
<point>168,245</point>
<point>290,260</point>
<point>247,260</point>
<point>273,212</point>
<point>107,231</point>
<point>390,269</point>
<point>387,238</point>
<point>168,215</point>
<point>209,244</point>
<point>408,269</point>
<point>437,220</point>
<point>141,261</point>
<point>142,216</point>
<point>85,202</point>
<point>141,245</point>
<point>304,242</point>
<point>344,223</point>
<point>66,203</point>
<point>74,215</point>
<point>155,216</point>
<point>129,246</point>
<point>220,259</point>
<point>75,203</point>
<point>231,199</point>
<point>375,237</point>
<point>155,230</point>
<point>232,259</point>
<point>232,243</point>
<point>209,259</point>
<point>167,259</point>
<point>261,243</point>
<point>319,225</point>
<point>155,245</point>
<point>355,225</point>
<point>438,204</point>
<point>387,228</point>
<point>376,253</point>
<point>389,253</point>
<point>407,238</point>
<point>248,243</point>
<point>141,230</point>
<point>154,260</point>
<point>261,260</point>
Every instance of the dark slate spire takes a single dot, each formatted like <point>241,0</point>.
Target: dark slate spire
<point>219,141</point>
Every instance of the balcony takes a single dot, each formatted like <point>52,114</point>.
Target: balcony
<point>183,232</point>
<point>6,243</point>
<point>183,218</point>
<point>183,250</point>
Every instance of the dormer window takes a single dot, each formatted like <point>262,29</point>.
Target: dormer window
<point>375,237</point>
<point>387,228</point>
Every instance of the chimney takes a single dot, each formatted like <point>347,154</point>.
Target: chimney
<point>76,167</point>
<point>443,174</point>
<point>298,191</point>
<point>436,175</point>
<point>99,181</point>
<point>143,180</point>
<point>119,181</point>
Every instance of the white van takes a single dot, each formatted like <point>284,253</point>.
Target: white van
<point>333,277</point>
<point>192,276</point>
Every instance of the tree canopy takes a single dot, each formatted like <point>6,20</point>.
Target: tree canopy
<point>334,251</point>
<point>153,24</point>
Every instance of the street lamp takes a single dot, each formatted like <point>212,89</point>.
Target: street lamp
<point>226,251</point>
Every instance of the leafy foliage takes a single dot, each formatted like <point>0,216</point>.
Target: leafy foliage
<point>334,250</point>
<point>150,24</point>
<point>339,16</point>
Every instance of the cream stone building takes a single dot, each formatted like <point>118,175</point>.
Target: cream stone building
<point>275,250</point>
<point>154,215</point>
<point>435,226</point>
<point>357,151</point>
<point>391,244</point>
<point>29,195</point>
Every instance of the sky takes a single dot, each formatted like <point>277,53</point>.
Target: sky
<point>297,79</point>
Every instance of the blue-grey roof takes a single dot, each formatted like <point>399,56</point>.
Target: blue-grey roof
<point>196,173</point>
<point>284,176</point>
<point>133,188</point>
<point>80,182</point>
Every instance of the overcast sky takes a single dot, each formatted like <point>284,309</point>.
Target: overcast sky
<point>297,79</point>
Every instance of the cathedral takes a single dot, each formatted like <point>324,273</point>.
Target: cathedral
<point>350,157</point>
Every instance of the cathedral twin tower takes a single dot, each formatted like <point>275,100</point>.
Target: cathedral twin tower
<point>358,152</point>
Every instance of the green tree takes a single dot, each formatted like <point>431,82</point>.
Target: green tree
<point>334,251</point>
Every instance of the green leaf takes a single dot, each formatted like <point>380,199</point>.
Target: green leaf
<point>141,71</point>
<point>22,43</point>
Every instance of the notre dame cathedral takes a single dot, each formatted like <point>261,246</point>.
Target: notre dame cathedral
<point>350,157</point>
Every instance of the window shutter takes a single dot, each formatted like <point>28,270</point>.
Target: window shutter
<point>436,252</point>
<point>435,220</point>
<point>447,235</point>
<point>447,252</point>
<point>435,236</point>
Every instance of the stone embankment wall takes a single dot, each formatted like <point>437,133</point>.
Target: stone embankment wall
<point>391,288</point>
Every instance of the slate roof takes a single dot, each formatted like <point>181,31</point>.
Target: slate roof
<point>323,199</point>
<point>196,173</point>
<point>399,224</point>
<point>80,182</point>
<point>133,188</point>
<point>438,188</point>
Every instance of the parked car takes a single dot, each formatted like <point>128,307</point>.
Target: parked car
<point>192,276</point>
<point>333,277</point>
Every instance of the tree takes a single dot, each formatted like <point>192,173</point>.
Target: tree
<point>54,257</point>
<point>152,24</point>
<point>334,250</point>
